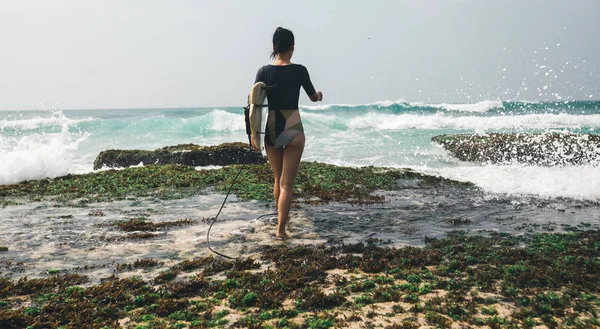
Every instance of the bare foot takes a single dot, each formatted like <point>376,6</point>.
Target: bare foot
<point>281,232</point>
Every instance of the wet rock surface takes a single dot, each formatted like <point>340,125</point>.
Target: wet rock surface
<point>185,154</point>
<point>536,149</point>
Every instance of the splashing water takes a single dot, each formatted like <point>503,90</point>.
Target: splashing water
<point>388,133</point>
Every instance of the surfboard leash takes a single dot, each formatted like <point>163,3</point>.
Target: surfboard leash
<point>247,115</point>
<point>223,205</point>
<point>247,119</point>
<point>221,208</point>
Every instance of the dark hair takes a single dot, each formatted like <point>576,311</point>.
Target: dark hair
<point>283,40</point>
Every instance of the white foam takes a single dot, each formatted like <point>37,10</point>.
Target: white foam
<point>211,167</point>
<point>577,182</point>
<point>386,103</point>
<point>442,121</point>
<point>353,138</point>
<point>480,107</point>
<point>57,118</point>
<point>319,107</point>
<point>38,155</point>
<point>389,103</point>
<point>224,121</point>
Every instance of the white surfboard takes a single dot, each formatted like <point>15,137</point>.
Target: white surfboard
<point>258,115</point>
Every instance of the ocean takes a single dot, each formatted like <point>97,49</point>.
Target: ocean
<point>40,144</point>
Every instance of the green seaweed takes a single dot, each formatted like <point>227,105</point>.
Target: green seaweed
<point>143,224</point>
<point>315,183</point>
<point>140,263</point>
<point>319,323</point>
<point>550,279</point>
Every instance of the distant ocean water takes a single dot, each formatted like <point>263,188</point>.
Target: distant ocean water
<point>39,144</point>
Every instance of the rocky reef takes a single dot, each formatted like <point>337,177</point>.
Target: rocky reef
<point>501,281</point>
<point>185,154</point>
<point>550,149</point>
<point>491,280</point>
<point>315,183</point>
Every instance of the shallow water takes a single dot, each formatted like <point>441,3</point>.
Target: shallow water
<point>42,236</point>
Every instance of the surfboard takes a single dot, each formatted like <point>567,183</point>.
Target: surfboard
<point>258,109</point>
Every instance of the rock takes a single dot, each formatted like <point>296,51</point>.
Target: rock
<point>186,154</point>
<point>550,149</point>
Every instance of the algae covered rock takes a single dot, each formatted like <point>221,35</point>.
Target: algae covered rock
<point>550,149</point>
<point>186,154</point>
<point>316,183</point>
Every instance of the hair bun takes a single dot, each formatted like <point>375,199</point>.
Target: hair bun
<point>283,40</point>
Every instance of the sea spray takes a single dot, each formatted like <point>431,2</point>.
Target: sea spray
<point>576,182</point>
<point>39,154</point>
<point>386,134</point>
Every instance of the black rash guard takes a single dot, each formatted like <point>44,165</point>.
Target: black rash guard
<point>284,82</point>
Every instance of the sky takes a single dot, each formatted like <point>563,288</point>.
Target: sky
<point>83,54</point>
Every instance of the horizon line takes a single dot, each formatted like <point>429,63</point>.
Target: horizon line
<point>330,104</point>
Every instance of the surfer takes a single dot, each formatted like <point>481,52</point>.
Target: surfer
<point>284,138</point>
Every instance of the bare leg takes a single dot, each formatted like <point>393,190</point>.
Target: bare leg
<point>275,156</point>
<point>292,154</point>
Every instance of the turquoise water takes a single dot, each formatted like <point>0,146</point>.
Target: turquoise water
<point>38,144</point>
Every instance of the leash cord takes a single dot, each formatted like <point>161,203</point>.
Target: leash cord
<point>248,131</point>
<point>220,209</point>
<point>223,204</point>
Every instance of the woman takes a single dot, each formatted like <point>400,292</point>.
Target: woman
<point>284,138</point>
